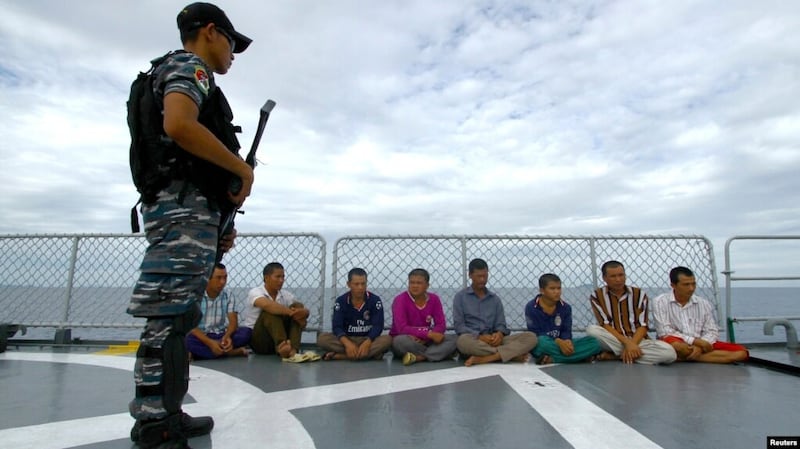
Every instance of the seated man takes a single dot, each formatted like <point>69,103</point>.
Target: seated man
<point>550,318</point>
<point>687,322</point>
<point>480,322</point>
<point>218,333</point>
<point>357,324</point>
<point>621,313</point>
<point>418,323</point>
<point>275,315</point>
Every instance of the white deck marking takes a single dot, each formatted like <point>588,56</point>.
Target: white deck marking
<point>239,408</point>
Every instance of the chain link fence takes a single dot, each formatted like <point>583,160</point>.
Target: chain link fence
<point>85,281</point>
<point>515,264</point>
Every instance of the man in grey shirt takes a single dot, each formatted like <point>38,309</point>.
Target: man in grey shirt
<point>480,322</point>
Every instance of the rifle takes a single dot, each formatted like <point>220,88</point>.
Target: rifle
<point>227,222</point>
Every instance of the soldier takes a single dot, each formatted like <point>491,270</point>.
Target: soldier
<point>181,209</point>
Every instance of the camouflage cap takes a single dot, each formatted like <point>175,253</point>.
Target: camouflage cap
<point>201,14</point>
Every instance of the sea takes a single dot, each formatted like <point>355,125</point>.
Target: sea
<point>109,305</point>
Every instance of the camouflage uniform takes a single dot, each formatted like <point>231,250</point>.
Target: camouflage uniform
<point>181,227</point>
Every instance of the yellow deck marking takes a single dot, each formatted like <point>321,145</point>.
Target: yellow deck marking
<point>129,348</point>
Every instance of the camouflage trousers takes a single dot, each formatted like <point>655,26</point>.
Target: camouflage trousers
<point>182,233</point>
<point>161,373</point>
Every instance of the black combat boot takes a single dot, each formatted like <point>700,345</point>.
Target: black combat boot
<point>162,434</point>
<point>190,427</point>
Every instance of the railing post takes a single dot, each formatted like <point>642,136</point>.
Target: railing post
<point>593,259</point>
<point>63,335</point>
<point>727,273</point>
<point>321,308</point>
<point>463,262</point>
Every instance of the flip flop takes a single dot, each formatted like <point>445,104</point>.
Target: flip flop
<point>329,356</point>
<point>312,356</point>
<point>297,358</point>
<point>409,359</point>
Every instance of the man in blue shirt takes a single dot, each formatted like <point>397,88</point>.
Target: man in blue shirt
<point>550,318</point>
<point>480,322</point>
<point>357,324</point>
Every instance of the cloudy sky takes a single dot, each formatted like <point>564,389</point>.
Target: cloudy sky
<point>420,117</point>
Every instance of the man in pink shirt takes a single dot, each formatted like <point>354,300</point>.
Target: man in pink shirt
<point>418,323</point>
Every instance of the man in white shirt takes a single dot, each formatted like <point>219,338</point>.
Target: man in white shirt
<point>687,322</point>
<point>275,315</point>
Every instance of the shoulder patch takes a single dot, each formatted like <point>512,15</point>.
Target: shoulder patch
<point>201,77</point>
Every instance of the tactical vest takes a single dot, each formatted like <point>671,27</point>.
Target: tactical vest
<point>156,160</point>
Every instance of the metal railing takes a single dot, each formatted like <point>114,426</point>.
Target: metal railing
<point>516,262</point>
<point>85,281</point>
<point>730,278</point>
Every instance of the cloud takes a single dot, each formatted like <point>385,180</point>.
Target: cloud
<point>417,117</point>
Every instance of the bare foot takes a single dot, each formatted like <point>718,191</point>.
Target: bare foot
<point>285,350</point>
<point>239,352</point>
<point>604,356</point>
<point>481,359</point>
<point>522,358</point>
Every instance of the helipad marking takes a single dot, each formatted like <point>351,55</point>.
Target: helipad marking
<point>232,401</point>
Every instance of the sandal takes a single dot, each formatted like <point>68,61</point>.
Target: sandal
<point>329,356</point>
<point>297,358</point>
<point>311,356</point>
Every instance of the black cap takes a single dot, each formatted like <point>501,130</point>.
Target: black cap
<point>200,14</point>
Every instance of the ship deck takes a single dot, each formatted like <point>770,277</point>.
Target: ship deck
<point>76,397</point>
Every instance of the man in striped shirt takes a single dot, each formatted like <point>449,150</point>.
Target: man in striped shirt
<point>687,322</point>
<point>621,313</point>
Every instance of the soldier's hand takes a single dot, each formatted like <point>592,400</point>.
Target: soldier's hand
<point>247,184</point>
<point>227,241</point>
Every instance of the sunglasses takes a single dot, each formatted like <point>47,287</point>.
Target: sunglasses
<point>228,36</point>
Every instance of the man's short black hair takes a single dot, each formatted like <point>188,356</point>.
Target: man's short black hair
<point>611,264</point>
<point>477,264</point>
<point>548,278</point>
<point>675,272</point>
<point>356,272</point>
<point>271,268</point>
<point>420,272</point>
<point>220,266</point>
